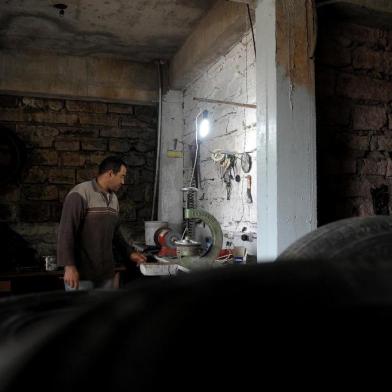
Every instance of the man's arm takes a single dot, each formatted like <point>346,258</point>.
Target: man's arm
<point>123,240</point>
<point>71,218</point>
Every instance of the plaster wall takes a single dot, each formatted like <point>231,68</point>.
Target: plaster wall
<point>233,129</point>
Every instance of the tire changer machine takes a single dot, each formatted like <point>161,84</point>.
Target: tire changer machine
<point>189,254</point>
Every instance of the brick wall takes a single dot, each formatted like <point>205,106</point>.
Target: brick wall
<point>65,141</point>
<point>354,120</point>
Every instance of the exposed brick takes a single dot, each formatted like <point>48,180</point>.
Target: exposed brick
<point>8,212</point>
<point>61,176</point>
<point>147,134</point>
<point>146,114</point>
<point>79,131</point>
<point>331,54</point>
<point>133,177</point>
<point>37,136</point>
<point>120,132</point>
<point>94,144</point>
<point>86,174</point>
<point>44,157</point>
<point>88,107</point>
<point>372,167</point>
<point>365,58</point>
<point>387,63</point>
<point>36,175</point>
<point>97,157</point>
<point>135,160</point>
<point>144,213</point>
<point>129,121</point>
<point>369,118</point>
<point>147,174</point>
<point>14,115</point>
<point>361,34</point>
<point>106,120</point>
<point>33,103</point>
<point>148,193</point>
<point>325,82</point>
<point>389,168</point>
<point>381,143</point>
<point>354,142</point>
<point>119,145</point>
<point>365,208</point>
<point>334,112</point>
<point>39,192</point>
<point>54,118</point>
<point>9,193</point>
<point>356,187</point>
<point>136,194</point>
<point>127,213</point>
<point>73,159</point>
<point>8,101</point>
<point>63,191</point>
<point>336,166</point>
<point>65,144</point>
<point>120,108</point>
<point>150,161</point>
<point>373,60</point>
<point>40,212</point>
<point>361,87</point>
<point>145,146</point>
<point>55,105</point>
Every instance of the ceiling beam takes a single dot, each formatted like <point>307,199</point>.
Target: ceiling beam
<point>73,77</point>
<point>221,28</point>
<point>252,3</point>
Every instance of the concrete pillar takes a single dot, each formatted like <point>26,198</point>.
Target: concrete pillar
<point>286,164</point>
<point>171,164</point>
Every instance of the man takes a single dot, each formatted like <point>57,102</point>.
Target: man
<point>88,221</point>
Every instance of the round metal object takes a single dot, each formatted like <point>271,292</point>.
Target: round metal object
<point>246,162</point>
<point>167,237</point>
<point>188,247</point>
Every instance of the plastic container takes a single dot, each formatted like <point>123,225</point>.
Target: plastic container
<point>150,228</point>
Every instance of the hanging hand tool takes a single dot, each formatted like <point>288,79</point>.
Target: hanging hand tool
<point>249,189</point>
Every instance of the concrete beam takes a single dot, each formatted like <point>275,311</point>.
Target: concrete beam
<point>252,3</point>
<point>87,78</point>
<point>286,124</point>
<point>221,28</point>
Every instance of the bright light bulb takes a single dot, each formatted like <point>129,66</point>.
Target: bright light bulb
<point>204,128</point>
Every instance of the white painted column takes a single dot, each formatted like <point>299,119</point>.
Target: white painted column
<point>286,164</point>
<point>171,169</point>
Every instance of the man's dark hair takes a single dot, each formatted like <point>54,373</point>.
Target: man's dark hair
<point>111,163</point>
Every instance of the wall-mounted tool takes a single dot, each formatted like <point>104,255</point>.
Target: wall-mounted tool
<point>249,189</point>
<point>246,162</point>
<point>174,153</point>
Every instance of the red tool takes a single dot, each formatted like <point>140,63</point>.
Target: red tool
<point>166,238</point>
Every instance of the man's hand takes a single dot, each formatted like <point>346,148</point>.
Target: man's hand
<point>138,257</point>
<point>71,276</point>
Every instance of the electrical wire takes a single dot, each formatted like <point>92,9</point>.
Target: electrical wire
<point>197,151</point>
<point>157,163</point>
<point>251,27</point>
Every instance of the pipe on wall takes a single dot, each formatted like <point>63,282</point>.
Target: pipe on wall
<point>158,155</point>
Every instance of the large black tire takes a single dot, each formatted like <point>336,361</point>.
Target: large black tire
<point>241,328</point>
<point>360,238</point>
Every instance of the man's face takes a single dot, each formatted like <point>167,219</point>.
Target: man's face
<point>118,179</point>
